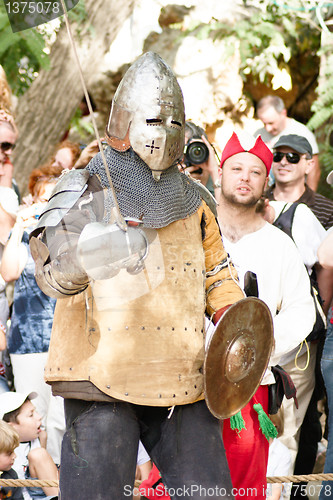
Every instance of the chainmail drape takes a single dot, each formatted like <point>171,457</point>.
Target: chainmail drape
<point>155,203</point>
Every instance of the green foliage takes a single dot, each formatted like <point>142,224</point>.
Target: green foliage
<point>321,116</point>
<point>24,53</point>
<point>79,16</point>
<point>266,37</point>
<point>21,54</point>
<point>83,128</point>
<point>322,119</point>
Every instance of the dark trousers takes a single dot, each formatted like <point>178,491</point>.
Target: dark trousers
<point>99,451</point>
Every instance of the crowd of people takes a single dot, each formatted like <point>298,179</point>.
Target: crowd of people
<point>102,326</point>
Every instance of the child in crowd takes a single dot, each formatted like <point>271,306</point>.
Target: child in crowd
<point>32,461</point>
<point>9,440</point>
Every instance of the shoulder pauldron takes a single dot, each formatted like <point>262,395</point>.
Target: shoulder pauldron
<point>66,192</point>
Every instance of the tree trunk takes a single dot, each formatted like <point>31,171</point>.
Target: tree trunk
<point>44,111</point>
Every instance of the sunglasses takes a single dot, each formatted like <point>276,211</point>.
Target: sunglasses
<point>290,157</point>
<point>6,146</point>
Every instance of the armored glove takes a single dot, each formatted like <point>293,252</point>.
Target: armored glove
<point>104,249</point>
<point>60,277</point>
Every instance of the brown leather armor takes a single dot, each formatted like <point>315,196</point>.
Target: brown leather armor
<point>149,350</point>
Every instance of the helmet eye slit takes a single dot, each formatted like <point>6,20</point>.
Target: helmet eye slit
<point>154,121</point>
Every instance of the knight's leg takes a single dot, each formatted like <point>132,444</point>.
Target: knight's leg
<point>99,451</point>
<point>190,455</point>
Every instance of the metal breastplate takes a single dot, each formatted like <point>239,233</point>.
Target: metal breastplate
<point>147,350</point>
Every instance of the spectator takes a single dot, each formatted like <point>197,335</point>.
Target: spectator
<point>32,461</point>
<point>272,112</point>
<point>8,138</point>
<point>32,314</point>
<point>9,203</point>
<point>9,440</point>
<point>8,198</point>
<point>291,163</point>
<point>66,154</point>
<point>253,245</point>
<point>198,149</point>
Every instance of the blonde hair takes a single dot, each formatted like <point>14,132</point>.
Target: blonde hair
<point>9,438</point>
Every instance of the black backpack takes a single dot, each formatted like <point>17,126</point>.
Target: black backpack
<point>285,222</point>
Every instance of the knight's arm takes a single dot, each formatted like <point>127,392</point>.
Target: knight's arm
<point>76,201</point>
<point>222,287</point>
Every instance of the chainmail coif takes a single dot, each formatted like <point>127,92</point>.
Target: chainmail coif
<point>139,195</point>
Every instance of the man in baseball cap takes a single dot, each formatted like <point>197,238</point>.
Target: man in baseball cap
<point>296,142</point>
<point>292,162</point>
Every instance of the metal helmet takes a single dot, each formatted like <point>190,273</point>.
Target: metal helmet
<point>147,113</point>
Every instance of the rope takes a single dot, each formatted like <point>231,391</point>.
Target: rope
<point>41,483</point>
<point>299,478</point>
<point>119,218</point>
<point>32,483</point>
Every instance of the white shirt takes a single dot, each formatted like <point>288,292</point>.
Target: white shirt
<point>9,200</point>
<point>283,285</point>
<point>279,460</point>
<point>307,231</point>
<point>293,127</point>
<point>21,462</point>
<point>143,456</point>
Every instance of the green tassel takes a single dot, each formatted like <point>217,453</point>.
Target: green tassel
<point>266,425</point>
<point>237,422</point>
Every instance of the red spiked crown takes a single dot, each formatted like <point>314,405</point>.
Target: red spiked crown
<point>257,148</point>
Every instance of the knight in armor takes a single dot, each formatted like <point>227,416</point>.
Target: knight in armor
<point>127,346</point>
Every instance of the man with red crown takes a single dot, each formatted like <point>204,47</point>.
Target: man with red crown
<point>127,347</point>
<point>269,267</point>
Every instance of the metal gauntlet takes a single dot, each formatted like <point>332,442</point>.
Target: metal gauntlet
<point>61,277</point>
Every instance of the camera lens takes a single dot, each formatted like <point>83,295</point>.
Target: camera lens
<point>196,153</point>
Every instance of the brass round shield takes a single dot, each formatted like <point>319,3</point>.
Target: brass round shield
<point>237,356</point>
